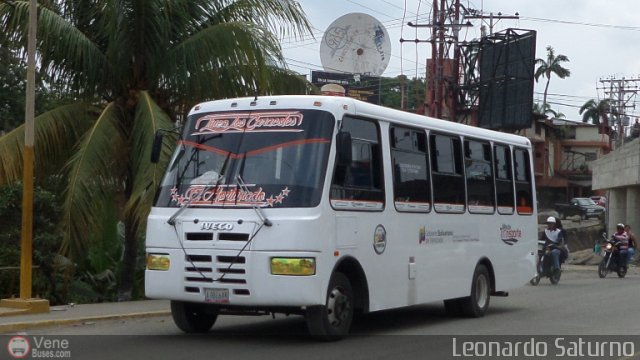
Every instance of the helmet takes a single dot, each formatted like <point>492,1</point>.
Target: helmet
<point>551,219</point>
<point>621,225</point>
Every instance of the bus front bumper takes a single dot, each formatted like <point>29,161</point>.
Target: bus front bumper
<point>224,278</point>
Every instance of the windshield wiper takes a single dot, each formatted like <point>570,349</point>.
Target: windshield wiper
<point>255,207</point>
<point>241,173</point>
<point>172,220</point>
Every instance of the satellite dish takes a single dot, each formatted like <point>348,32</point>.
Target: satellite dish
<point>356,43</point>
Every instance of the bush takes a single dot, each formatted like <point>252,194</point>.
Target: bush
<point>56,277</point>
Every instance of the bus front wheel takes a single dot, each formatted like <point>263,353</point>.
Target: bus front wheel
<point>478,302</point>
<point>192,317</point>
<point>332,321</point>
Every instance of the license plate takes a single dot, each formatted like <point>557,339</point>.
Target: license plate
<point>220,296</point>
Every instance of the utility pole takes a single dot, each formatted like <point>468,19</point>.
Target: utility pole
<point>475,14</point>
<point>403,93</point>
<point>26,303</point>
<point>620,93</point>
<point>442,69</point>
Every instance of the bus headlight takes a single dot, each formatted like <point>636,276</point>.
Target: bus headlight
<point>293,266</point>
<point>160,262</point>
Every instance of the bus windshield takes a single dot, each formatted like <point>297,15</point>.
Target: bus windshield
<point>281,156</point>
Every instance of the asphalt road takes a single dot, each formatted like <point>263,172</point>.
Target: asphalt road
<point>582,308</point>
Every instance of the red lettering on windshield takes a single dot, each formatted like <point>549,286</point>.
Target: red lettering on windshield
<point>249,122</point>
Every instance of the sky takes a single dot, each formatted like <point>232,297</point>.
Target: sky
<point>601,38</point>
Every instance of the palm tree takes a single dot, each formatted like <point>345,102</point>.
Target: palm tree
<point>594,110</point>
<point>546,110</point>
<point>552,65</point>
<point>139,64</point>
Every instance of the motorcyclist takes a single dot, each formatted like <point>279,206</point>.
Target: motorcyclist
<point>623,238</point>
<point>554,238</point>
<point>632,243</point>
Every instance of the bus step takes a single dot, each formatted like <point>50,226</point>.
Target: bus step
<point>500,293</point>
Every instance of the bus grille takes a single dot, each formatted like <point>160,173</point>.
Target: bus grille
<point>220,271</point>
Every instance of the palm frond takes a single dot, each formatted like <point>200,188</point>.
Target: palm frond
<point>233,49</point>
<point>283,81</point>
<point>96,171</point>
<point>146,176</point>
<point>271,14</point>
<point>65,51</point>
<point>56,132</point>
<point>239,38</point>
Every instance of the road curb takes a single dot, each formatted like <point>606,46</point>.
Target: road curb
<point>26,325</point>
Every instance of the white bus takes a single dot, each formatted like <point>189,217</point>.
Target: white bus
<point>325,206</point>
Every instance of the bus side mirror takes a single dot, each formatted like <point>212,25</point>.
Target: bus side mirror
<point>157,146</point>
<point>343,149</point>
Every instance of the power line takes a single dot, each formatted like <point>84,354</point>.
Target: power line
<point>567,22</point>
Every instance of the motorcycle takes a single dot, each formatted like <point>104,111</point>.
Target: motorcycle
<point>611,258</point>
<point>545,265</point>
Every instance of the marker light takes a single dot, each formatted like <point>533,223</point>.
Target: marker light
<point>160,262</point>
<point>293,266</point>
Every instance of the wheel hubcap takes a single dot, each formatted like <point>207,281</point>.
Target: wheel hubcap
<point>338,307</point>
<point>482,291</point>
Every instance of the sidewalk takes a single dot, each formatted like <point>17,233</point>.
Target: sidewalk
<point>68,314</point>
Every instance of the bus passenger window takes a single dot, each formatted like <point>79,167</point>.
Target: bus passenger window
<point>479,174</point>
<point>523,181</point>
<point>411,189</point>
<point>504,179</point>
<point>446,168</point>
<point>362,179</point>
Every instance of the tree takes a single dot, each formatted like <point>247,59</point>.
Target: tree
<point>546,110</point>
<point>390,89</point>
<point>138,64</point>
<point>13,87</point>
<point>594,110</point>
<point>552,65</point>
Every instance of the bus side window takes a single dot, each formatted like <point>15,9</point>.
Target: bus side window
<point>411,188</point>
<point>523,181</point>
<point>504,179</point>
<point>362,178</point>
<point>446,166</point>
<point>479,174</point>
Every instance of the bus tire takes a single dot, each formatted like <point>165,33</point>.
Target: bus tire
<point>332,321</point>
<point>192,317</point>
<point>478,302</point>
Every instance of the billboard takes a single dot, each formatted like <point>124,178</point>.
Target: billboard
<point>507,61</point>
<point>361,87</point>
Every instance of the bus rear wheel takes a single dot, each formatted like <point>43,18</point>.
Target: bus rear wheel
<point>332,321</point>
<point>477,303</point>
<point>192,317</point>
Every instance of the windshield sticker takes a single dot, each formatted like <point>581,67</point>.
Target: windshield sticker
<point>249,122</point>
<point>227,195</point>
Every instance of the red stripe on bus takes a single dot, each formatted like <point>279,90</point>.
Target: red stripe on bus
<point>253,152</point>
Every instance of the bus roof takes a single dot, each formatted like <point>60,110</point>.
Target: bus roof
<point>341,105</point>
